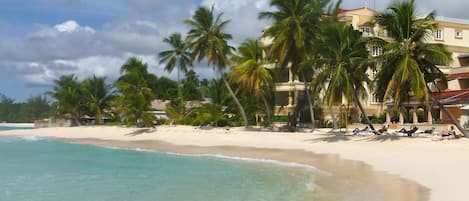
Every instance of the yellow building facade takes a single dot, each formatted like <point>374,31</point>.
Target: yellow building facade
<point>454,33</point>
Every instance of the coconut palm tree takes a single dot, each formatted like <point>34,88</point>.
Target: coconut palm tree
<point>97,95</point>
<point>345,61</point>
<point>136,94</point>
<point>178,56</point>
<point>207,40</point>
<point>408,63</point>
<point>293,31</point>
<point>68,96</point>
<point>250,73</point>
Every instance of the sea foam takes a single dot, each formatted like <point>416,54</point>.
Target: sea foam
<point>31,138</point>
<point>305,167</point>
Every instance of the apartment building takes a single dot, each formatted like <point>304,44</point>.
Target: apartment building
<point>454,33</point>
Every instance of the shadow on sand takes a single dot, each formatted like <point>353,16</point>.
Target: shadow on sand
<point>141,131</point>
<point>381,138</point>
<point>337,137</point>
<point>331,138</point>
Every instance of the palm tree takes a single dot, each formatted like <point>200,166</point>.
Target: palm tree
<point>208,41</point>
<point>134,86</point>
<point>251,74</point>
<point>177,55</point>
<point>68,96</point>
<point>344,60</point>
<point>209,113</point>
<point>97,95</point>
<point>178,112</point>
<point>409,64</point>
<point>293,31</point>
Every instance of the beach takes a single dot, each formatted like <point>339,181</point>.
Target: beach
<point>404,168</point>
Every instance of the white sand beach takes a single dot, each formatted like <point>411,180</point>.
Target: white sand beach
<point>441,166</point>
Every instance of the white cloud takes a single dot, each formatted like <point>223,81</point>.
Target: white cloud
<point>72,26</point>
<point>70,47</point>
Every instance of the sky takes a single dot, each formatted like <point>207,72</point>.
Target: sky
<point>43,39</point>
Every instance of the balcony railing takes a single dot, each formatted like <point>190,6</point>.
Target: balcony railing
<point>290,86</point>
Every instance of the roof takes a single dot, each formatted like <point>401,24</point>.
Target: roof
<point>343,10</point>
<point>360,8</point>
<point>159,104</point>
<point>458,75</point>
<point>450,19</point>
<point>451,94</point>
<point>447,97</point>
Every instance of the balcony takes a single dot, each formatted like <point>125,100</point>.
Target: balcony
<point>290,86</point>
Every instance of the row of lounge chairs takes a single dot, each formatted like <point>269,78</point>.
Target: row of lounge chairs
<point>413,131</point>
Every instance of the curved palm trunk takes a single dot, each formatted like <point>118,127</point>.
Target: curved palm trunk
<point>241,109</point>
<point>180,93</point>
<point>267,109</point>
<point>98,117</point>
<point>359,104</point>
<point>293,118</point>
<point>76,120</point>
<point>310,103</point>
<point>334,121</point>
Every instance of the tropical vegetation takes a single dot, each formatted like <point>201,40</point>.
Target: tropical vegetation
<point>344,64</point>
<point>331,58</point>
<point>36,107</point>
<point>294,31</point>
<point>207,40</point>
<point>408,63</point>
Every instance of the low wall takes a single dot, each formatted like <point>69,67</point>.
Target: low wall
<point>47,123</point>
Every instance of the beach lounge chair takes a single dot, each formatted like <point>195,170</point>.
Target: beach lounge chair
<point>412,131</point>
<point>427,132</point>
<point>382,130</point>
<point>365,130</point>
<point>451,134</point>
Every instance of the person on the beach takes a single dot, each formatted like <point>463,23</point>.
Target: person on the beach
<point>382,130</point>
<point>364,130</point>
<point>450,133</point>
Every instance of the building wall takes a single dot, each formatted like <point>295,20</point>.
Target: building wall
<point>456,111</point>
<point>362,19</point>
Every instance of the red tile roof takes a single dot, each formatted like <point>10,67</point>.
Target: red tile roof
<point>458,75</point>
<point>456,94</point>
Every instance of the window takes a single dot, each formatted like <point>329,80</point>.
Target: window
<point>375,51</point>
<point>458,34</point>
<point>373,72</point>
<point>375,99</point>
<point>439,34</point>
<point>367,31</point>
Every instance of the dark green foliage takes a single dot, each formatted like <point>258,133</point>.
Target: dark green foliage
<point>68,95</point>
<point>210,114</point>
<point>133,104</point>
<point>408,63</point>
<point>164,88</point>
<point>191,86</point>
<point>34,108</point>
<point>207,40</point>
<point>97,97</point>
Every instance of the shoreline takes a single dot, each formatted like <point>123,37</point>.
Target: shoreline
<point>335,174</point>
<point>17,125</point>
<point>432,170</point>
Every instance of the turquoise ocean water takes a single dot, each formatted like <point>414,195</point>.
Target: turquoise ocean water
<point>34,169</point>
<point>4,128</point>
